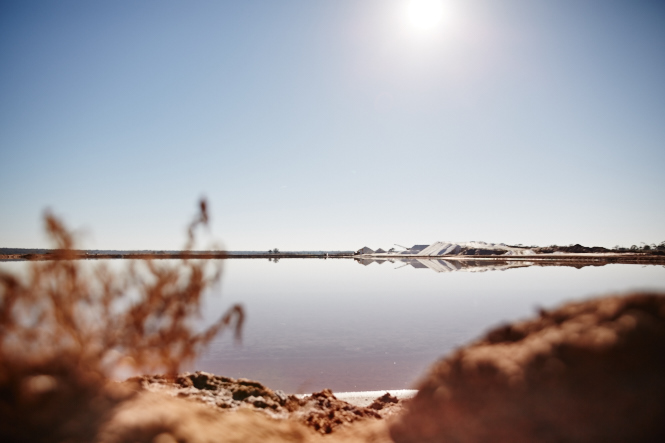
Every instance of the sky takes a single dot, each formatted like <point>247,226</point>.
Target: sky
<point>332,125</point>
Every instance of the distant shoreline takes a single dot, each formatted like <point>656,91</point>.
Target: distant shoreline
<point>18,254</point>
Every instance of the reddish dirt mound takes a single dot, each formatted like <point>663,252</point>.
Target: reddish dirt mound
<point>222,392</point>
<point>589,371</point>
<point>321,411</point>
<point>160,418</point>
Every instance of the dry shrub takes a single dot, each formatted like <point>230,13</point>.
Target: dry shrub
<point>64,331</point>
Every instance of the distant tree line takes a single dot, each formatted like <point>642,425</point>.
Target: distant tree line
<point>643,248</point>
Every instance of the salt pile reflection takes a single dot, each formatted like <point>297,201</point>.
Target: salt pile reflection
<point>450,265</point>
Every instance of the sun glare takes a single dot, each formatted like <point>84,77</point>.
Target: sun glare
<point>424,14</point>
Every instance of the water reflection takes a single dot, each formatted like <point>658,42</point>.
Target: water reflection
<point>484,265</point>
<point>449,265</point>
<point>313,324</point>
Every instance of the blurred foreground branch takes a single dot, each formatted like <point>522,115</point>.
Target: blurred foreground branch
<point>64,329</point>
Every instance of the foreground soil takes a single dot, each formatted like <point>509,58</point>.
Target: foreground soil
<point>589,371</point>
<point>162,418</point>
<point>320,411</point>
<point>586,372</point>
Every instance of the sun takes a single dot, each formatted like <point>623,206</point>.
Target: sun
<point>424,14</point>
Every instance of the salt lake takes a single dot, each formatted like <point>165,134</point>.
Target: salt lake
<point>314,324</point>
<point>364,326</point>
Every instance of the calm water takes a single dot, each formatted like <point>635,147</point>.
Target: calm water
<point>335,323</point>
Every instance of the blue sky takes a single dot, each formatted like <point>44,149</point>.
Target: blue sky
<point>333,124</point>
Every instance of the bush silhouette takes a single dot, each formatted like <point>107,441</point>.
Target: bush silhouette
<point>64,331</point>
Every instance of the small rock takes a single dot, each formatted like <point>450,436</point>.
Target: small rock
<point>281,396</point>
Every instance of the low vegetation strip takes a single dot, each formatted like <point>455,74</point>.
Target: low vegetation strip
<point>10,254</point>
